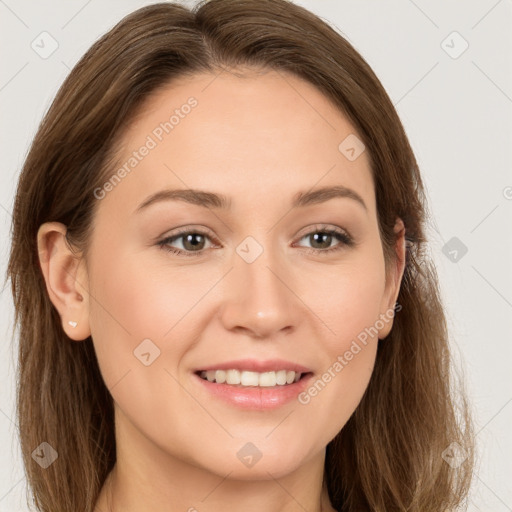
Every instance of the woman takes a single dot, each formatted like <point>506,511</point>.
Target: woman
<point>180,347</point>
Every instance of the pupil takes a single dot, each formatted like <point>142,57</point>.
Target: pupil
<point>190,239</point>
<point>321,235</point>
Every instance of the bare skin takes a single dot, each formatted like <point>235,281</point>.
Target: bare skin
<point>259,140</point>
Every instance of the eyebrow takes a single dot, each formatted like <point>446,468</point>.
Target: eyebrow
<point>222,202</point>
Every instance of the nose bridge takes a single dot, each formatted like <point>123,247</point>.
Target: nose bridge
<point>260,297</point>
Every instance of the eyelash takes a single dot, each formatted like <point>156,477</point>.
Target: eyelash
<point>345,239</point>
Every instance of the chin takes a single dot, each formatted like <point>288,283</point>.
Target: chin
<point>250,462</point>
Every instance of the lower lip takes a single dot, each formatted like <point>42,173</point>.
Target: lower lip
<point>256,398</point>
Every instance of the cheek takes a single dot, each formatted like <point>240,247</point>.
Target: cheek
<point>348,361</point>
<point>132,303</point>
<point>349,347</point>
<point>349,303</point>
<point>140,300</point>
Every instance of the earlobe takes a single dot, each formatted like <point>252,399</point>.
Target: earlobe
<point>66,281</point>
<point>395,279</point>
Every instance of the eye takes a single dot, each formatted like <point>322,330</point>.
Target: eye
<point>322,237</point>
<point>193,242</point>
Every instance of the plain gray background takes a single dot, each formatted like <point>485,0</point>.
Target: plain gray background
<point>456,106</point>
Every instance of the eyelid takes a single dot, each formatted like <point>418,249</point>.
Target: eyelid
<point>346,240</point>
<point>196,228</point>
<point>162,242</point>
<point>193,228</point>
<point>324,227</point>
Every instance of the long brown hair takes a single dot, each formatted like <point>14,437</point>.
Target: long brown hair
<point>389,455</point>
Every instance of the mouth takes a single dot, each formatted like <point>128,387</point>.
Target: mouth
<point>253,384</point>
<point>251,379</point>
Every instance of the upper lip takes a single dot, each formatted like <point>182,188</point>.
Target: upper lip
<point>255,365</point>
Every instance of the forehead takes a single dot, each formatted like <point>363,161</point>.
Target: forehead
<point>254,134</point>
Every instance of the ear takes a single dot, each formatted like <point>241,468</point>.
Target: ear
<point>393,280</point>
<point>66,279</point>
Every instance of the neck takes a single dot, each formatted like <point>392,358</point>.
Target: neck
<point>125,492</point>
<point>147,478</point>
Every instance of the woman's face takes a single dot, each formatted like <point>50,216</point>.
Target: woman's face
<point>244,276</point>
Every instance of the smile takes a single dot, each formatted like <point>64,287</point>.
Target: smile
<point>248,378</point>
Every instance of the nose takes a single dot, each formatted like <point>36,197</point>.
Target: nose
<point>259,297</point>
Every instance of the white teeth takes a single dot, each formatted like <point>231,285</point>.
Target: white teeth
<point>267,379</point>
<point>281,377</point>
<point>232,377</point>
<point>220,376</point>
<point>247,378</point>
